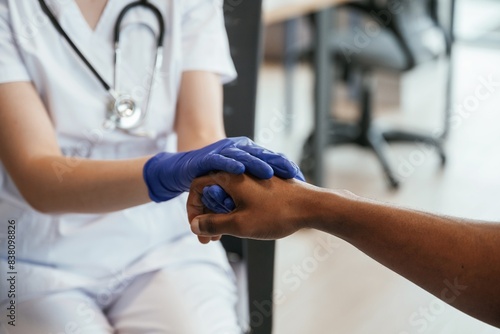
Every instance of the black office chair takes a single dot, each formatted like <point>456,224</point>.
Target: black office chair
<point>243,24</point>
<point>407,37</point>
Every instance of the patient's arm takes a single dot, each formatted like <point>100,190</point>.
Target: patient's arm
<point>457,260</point>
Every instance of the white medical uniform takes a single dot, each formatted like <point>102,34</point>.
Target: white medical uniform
<point>139,270</point>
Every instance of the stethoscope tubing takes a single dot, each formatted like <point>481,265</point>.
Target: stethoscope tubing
<point>154,10</point>
<point>116,37</point>
<point>61,31</point>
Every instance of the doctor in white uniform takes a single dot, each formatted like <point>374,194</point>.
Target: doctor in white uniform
<point>93,253</point>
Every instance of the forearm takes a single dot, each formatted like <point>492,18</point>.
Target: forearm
<point>193,141</point>
<point>62,185</point>
<point>199,120</point>
<point>434,252</point>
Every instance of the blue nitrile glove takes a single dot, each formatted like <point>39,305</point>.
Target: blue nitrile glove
<point>167,175</point>
<point>218,201</point>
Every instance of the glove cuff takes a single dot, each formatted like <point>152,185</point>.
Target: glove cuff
<point>152,177</point>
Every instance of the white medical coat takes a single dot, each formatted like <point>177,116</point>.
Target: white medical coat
<point>75,250</point>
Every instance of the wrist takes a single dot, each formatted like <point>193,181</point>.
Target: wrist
<point>157,174</point>
<point>326,210</point>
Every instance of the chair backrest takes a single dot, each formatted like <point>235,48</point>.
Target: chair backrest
<point>418,28</point>
<point>416,25</point>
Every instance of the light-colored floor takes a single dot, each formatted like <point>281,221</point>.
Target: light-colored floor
<point>341,290</point>
<point>477,18</point>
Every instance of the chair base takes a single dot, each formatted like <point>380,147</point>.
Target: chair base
<point>372,138</point>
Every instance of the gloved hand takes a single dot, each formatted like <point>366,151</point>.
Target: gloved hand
<point>218,201</point>
<point>167,175</point>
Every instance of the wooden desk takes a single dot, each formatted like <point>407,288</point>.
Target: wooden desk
<point>275,11</point>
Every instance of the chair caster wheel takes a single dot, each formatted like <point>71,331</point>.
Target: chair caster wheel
<point>442,159</point>
<point>393,183</point>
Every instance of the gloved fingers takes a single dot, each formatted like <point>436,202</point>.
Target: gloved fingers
<point>300,176</point>
<point>215,192</point>
<point>210,206</point>
<point>241,141</point>
<point>229,203</point>
<point>219,195</point>
<point>281,165</point>
<point>218,162</point>
<point>253,165</point>
<point>213,201</point>
<point>284,168</point>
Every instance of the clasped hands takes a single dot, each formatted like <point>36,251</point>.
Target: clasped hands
<point>167,175</point>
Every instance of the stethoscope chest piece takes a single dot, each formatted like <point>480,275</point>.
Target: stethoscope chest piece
<point>124,114</point>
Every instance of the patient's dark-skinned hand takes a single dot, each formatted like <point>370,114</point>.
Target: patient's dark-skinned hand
<point>264,209</point>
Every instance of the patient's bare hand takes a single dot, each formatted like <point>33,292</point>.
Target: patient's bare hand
<point>265,209</point>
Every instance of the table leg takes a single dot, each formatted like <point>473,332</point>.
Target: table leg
<point>323,69</point>
<point>290,59</point>
<point>449,74</point>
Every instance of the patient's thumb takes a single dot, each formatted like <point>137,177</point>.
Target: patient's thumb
<point>213,224</point>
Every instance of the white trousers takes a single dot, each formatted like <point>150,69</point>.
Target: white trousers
<point>187,298</point>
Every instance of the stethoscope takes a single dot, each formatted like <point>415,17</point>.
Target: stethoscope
<point>124,113</point>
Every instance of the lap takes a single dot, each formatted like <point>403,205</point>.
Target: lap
<point>64,312</point>
<point>195,294</point>
<point>195,299</point>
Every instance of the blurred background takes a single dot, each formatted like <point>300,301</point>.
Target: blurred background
<point>325,285</point>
